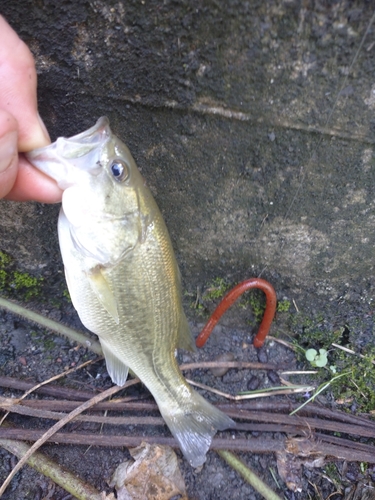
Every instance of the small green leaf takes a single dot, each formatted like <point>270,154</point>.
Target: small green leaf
<point>321,361</point>
<point>311,355</point>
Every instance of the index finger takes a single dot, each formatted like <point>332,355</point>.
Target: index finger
<point>18,81</point>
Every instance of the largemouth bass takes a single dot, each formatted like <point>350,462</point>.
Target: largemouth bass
<point>123,277</point>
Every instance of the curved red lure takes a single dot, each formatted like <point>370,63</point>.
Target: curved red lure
<point>231,297</point>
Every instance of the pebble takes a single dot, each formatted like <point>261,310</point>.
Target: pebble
<point>19,339</point>
<point>22,360</point>
<point>253,383</point>
<point>262,356</point>
<point>273,377</point>
<point>220,372</point>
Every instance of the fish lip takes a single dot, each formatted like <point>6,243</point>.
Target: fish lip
<point>67,156</point>
<point>92,137</point>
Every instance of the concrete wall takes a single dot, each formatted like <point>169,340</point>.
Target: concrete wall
<point>258,150</point>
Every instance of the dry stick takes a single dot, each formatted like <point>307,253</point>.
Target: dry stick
<point>368,448</point>
<point>231,364</point>
<point>60,424</point>
<point>248,475</point>
<point>350,351</point>
<point>256,394</point>
<point>282,342</point>
<point>128,403</point>
<point>55,391</point>
<point>311,423</point>
<point>56,377</point>
<point>275,423</point>
<point>310,409</point>
<point>8,405</point>
<point>72,334</point>
<point>61,476</point>
<point>252,445</point>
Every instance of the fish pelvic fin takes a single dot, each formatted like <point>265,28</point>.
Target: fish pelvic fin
<point>195,426</point>
<point>185,338</point>
<point>117,370</point>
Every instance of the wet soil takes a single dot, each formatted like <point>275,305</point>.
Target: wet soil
<point>29,353</point>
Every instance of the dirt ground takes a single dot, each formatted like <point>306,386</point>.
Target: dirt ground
<point>29,353</point>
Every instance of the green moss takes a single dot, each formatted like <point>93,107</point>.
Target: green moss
<point>350,377</point>
<point>215,289</point>
<point>358,386</point>
<point>29,286</point>
<point>48,343</point>
<point>15,283</point>
<point>66,295</point>
<point>256,302</point>
<point>3,279</point>
<point>283,306</point>
<point>5,261</point>
<point>331,471</point>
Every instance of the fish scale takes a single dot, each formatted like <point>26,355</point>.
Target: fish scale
<point>123,277</point>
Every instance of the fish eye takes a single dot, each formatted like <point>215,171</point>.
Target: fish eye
<point>120,170</point>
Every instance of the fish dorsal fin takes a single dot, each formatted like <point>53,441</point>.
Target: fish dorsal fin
<point>117,370</point>
<point>185,338</point>
<point>101,288</point>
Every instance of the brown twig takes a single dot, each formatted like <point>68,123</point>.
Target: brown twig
<point>256,394</point>
<point>310,409</point>
<point>128,403</point>
<point>278,423</point>
<point>309,423</point>
<point>47,435</point>
<point>240,365</point>
<point>303,447</point>
<point>54,391</point>
<point>8,405</point>
<point>52,379</point>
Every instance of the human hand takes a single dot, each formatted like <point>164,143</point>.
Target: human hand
<point>21,128</point>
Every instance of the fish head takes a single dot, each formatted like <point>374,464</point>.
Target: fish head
<point>101,184</point>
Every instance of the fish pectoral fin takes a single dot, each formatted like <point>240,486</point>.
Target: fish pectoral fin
<point>104,294</point>
<point>117,370</point>
<point>185,338</point>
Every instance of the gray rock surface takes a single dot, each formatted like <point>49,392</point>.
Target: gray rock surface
<point>234,113</point>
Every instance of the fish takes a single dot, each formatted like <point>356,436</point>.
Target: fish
<point>123,277</point>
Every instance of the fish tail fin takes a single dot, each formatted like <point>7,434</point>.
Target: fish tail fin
<point>194,427</point>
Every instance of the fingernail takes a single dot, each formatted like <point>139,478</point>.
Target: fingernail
<point>8,149</point>
<point>44,130</point>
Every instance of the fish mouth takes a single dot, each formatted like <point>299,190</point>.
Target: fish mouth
<point>60,159</point>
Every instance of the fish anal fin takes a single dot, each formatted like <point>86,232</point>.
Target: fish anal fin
<point>103,292</point>
<point>185,338</point>
<point>117,370</point>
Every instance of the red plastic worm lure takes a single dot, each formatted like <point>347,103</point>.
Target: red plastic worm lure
<point>231,297</point>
